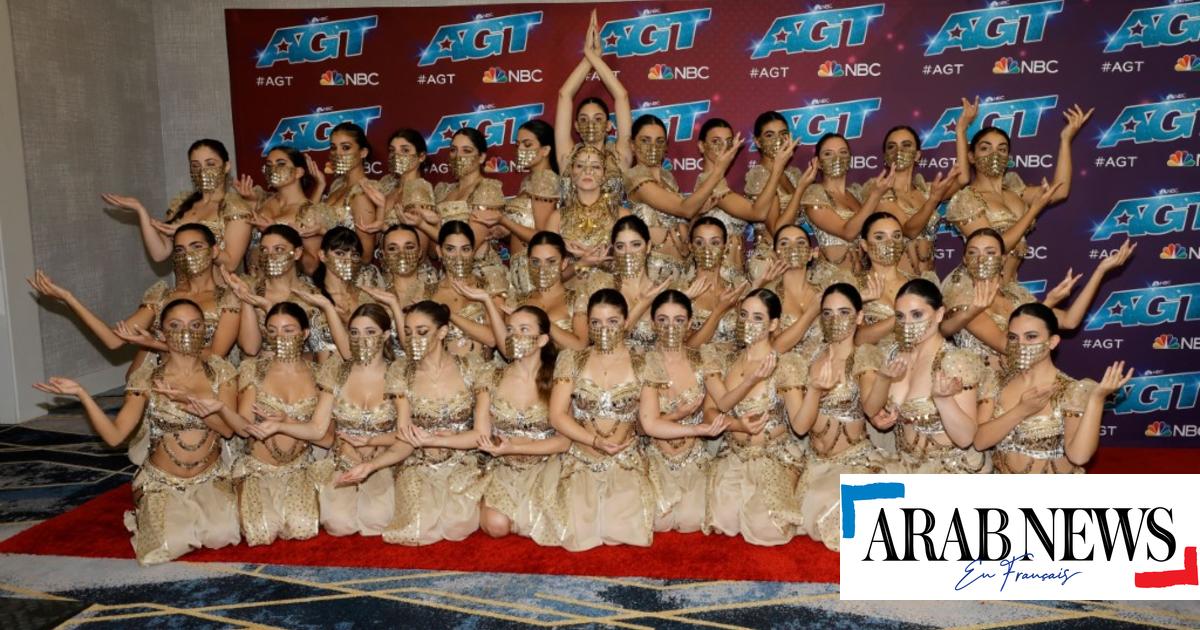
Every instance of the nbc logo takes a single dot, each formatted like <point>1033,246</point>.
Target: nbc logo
<point>1176,251</point>
<point>831,69</point>
<point>336,79</point>
<point>1006,65</point>
<point>496,164</point>
<point>1181,158</point>
<point>1158,428</point>
<point>496,74</point>
<point>660,72</point>
<point>1188,63</point>
<point>1166,341</point>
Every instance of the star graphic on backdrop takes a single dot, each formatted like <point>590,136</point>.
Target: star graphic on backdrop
<point>1116,309</point>
<point>1123,218</point>
<point>288,135</point>
<point>445,43</point>
<point>448,134</point>
<point>611,40</point>
<point>956,32</point>
<point>951,126</point>
<point>1137,28</point>
<point>781,35</point>
<point>1129,125</point>
<point>282,47</point>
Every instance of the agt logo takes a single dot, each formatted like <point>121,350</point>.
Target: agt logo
<point>650,32</point>
<point>1152,27</point>
<point>993,27</point>
<point>807,124</point>
<point>1167,120</point>
<point>316,41</point>
<point>1181,158</point>
<point>333,77</point>
<point>834,69</point>
<point>819,29</point>
<point>682,117</point>
<point>1018,118</point>
<point>310,132</point>
<point>1167,341</point>
<point>1164,213</point>
<point>1012,65</point>
<point>1151,306</point>
<point>1154,393</point>
<point>662,72</point>
<point>496,74</point>
<point>480,38</point>
<point>1188,63</point>
<point>1178,251</point>
<point>496,124</point>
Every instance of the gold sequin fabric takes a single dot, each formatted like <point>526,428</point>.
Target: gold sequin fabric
<point>277,502</point>
<point>1038,442</point>
<point>680,483</point>
<point>821,505</point>
<point>599,500</point>
<point>436,500</point>
<point>175,515</point>
<point>817,195</point>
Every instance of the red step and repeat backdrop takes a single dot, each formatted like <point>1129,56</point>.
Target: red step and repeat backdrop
<point>854,67</point>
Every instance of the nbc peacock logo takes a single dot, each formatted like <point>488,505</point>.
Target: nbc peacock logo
<point>1166,341</point>
<point>1006,65</point>
<point>497,164</point>
<point>1181,158</point>
<point>831,69</point>
<point>1174,251</point>
<point>332,77</point>
<point>1158,428</point>
<point>1188,63</point>
<point>660,72</point>
<point>495,74</point>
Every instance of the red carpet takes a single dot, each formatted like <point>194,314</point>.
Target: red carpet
<point>95,529</point>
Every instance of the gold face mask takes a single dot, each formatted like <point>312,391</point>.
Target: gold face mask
<point>887,252</point>
<point>992,164</point>
<point>458,266</point>
<point>518,347</point>
<point>401,163</point>
<point>344,267</point>
<point>186,341</point>
<point>605,338</point>
<point>286,347</point>
<point>275,264</point>
<point>651,154</point>
<point>364,348</point>
<point>670,336</point>
<point>1022,356</point>
<point>708,256</point>
<point>983,266</point>
<point>909,334</point>
<point>544,276</point>
<point>835,328</point>
<point>795,255</point>
<point>526,156</point>
<point>463,164</point>
<point>208,178</point>
<point>591,131</point>
<point>192,262</point>
<point>835,166</point>
<point>277,176</point>
<point>749,332</point>
<point>771,146</point>
<point>343,162</point>
<point>900,159</point>
<point>629,265</point>
<point>403,262</point>
<point>715,147</point>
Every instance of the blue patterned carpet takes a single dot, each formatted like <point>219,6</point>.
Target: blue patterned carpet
<point>54,464</point>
